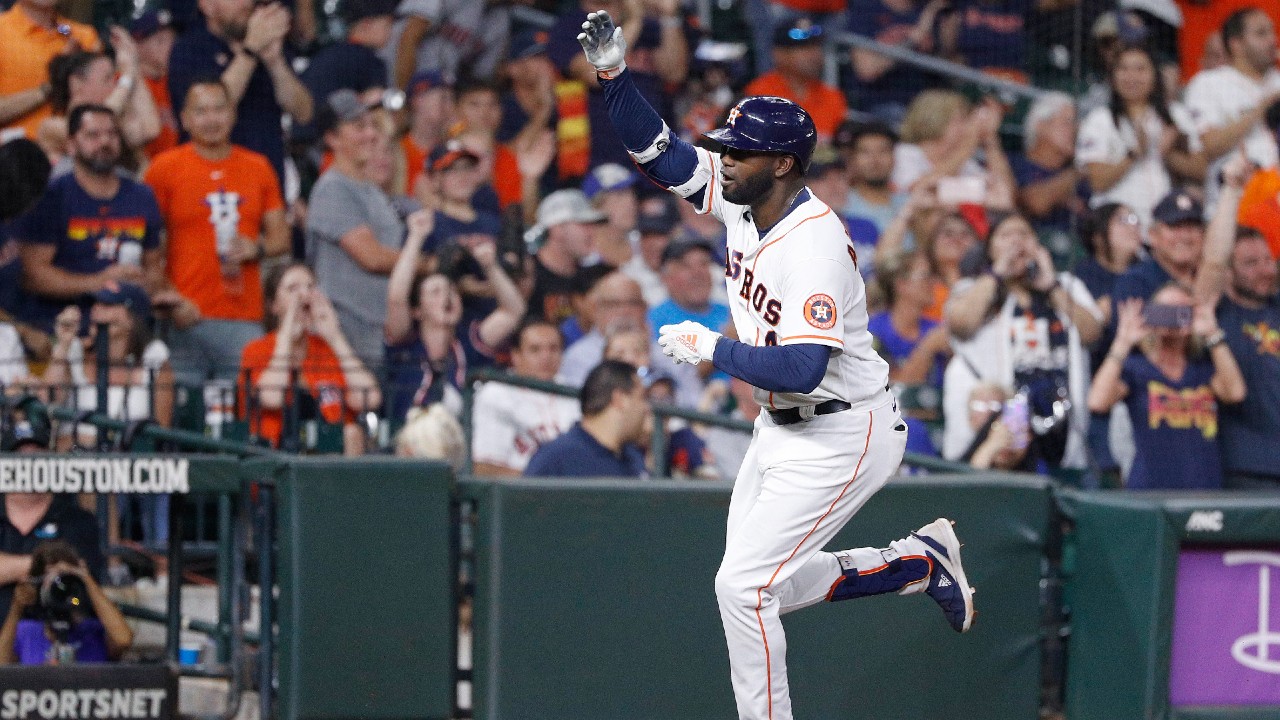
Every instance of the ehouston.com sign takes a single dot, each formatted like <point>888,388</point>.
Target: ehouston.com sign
<point>131,475</point>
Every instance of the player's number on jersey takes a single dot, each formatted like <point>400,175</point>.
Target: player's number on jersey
<point>771,338</point>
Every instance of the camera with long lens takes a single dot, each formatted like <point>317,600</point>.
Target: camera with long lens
<point>63,601</point>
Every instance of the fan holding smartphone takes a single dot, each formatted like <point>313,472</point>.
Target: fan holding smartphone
<point>1172,386</point>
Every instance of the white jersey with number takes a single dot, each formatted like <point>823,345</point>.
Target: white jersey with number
<point>510,423</point>
<point>797,284</point>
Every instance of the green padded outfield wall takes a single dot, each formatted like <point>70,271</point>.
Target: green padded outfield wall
<point>595,601</point>
<point>1121,593</point>
<point>367,582</point>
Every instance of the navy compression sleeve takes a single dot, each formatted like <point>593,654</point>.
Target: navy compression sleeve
<point>776,368</point>
<point>662,155</point>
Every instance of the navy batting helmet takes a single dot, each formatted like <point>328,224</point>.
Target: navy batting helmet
<point>769,124</point>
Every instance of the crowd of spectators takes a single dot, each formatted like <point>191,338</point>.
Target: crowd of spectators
<point>342,215</point>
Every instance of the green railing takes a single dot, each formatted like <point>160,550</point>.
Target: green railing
<point>661,412</point>
<point>234,514</point>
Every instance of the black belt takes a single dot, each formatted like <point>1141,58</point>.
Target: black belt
<point>792,416</point>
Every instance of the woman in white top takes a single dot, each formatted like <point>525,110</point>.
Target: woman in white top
<point>942,137</point>
<point>1136,148</point>
<point>140,378</point>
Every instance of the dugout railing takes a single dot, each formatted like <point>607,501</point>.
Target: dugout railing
<point>243,510</point>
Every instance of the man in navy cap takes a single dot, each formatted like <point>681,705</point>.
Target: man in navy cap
<point>154,35</point>
<point>1177,239</point>
<point>354,62</point>
<point>611,188</point>
<point>533,78</point>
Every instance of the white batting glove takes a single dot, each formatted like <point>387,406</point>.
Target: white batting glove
<point>688,342</point>
<point>604,45</point>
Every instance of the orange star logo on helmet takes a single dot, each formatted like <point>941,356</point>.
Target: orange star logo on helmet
<point>734,114</point>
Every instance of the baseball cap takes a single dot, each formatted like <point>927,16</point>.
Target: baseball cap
<point>607,177</point>
<point>341,106</point>
<point>129,295</point>
<point>1177,207</point>
<point>566,206</point>
<point>353,11</point>
<point>444,155</point>
<point>677,249</point>
<point>658,216</point>
<point>23,433</point>
<point>149,23</point>
<point>425,80</point>
<point>802,32</point>
<point>527,43</point>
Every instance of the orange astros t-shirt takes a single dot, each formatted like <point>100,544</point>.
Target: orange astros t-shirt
<point>320,375</point>
<point>825,104</point>
<point>195,193</point>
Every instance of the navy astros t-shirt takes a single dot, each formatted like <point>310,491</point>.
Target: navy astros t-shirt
<point>1251,429</point>
<point>1175,426</point>
<point>88,233</point>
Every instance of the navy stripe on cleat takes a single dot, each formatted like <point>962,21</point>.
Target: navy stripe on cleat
<point>948,585</point>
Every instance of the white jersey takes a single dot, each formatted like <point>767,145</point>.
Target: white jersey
<point>797,284</point>
<point>1147,181</point>
<point>510,423</point>
<point>1217,97</point>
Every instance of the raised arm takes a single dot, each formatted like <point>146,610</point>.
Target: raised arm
<point>662,155</point>
<point>399,322</point>
<point>1107,388</point>
<point>139,118</point>
<point>1227,382</point>
<point>499,324</point>
<point>362,389</point>
<point>1220,236</point>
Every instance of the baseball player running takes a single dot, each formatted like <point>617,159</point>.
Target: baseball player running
<point>831,434</point>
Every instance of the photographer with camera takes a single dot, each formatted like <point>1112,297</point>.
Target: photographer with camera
<point>29,518</point>
<point>1171,389</point>
<point>1023,326</point>
<point>60,615</point>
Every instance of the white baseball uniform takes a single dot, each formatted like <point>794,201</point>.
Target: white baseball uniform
<point>510,423</point>
<point>799,483</point>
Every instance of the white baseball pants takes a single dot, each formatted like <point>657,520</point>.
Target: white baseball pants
<point>797,487</point>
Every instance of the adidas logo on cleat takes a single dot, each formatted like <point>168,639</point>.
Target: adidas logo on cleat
<point>944,581</point>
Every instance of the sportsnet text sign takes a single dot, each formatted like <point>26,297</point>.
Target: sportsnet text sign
<point>73,692</point>
<point>127,475</point>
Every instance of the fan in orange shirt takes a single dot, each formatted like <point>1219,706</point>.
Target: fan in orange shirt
<point>1260,206</point>
<point>306,345</point>
<point>222,209</point>
<point>797,61</point>
<point>31,34</point>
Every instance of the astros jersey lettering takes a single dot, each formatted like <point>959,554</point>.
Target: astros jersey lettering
<point>799,283</point>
